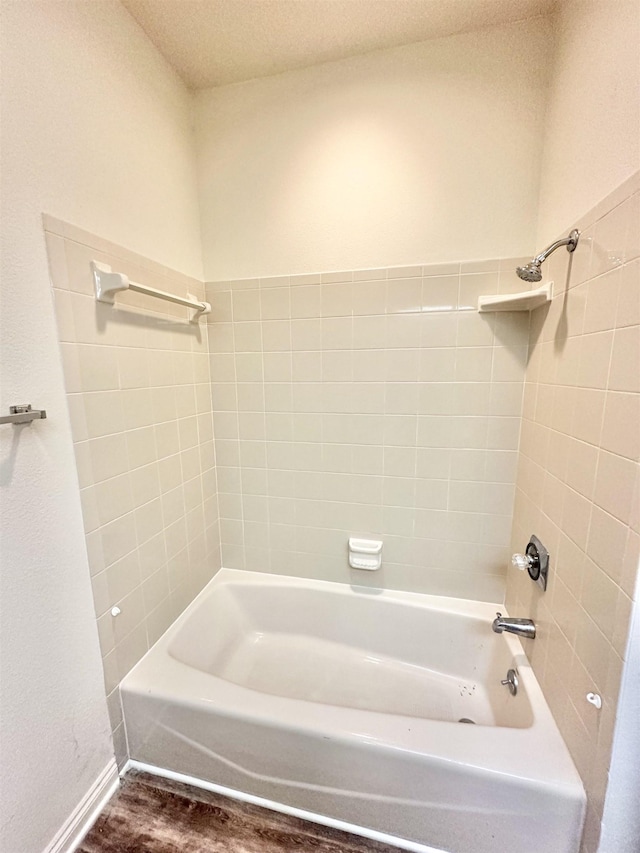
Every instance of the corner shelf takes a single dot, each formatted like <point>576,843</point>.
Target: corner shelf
<point>525,301</point>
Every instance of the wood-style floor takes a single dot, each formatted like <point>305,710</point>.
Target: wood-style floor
<point>149,814</point>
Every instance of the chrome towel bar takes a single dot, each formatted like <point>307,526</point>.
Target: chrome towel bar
<point>23,414</point>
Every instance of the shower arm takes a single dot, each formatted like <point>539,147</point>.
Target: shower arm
<point>570,242</point>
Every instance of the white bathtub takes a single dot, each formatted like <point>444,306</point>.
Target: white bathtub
<point>345,703</point>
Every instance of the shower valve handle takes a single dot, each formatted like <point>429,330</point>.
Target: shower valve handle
<point>521,561</point>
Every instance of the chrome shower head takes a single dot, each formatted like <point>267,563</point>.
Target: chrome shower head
<point>530,272</point>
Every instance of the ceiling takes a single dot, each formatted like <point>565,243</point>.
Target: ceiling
<point>215,42</point>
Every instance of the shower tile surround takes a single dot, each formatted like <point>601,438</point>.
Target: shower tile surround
<point>371,403</point>
<point>578,483</point>
<point>139,397</point>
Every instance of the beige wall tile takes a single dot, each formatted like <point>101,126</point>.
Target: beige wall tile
<point>630,563</point>
<point>370,298</point>
<point>104,413</point>
<point>581,425</point>
<point>615,482</point>
<point>404,295</point>
<point>599,597</point>
<point>336,300</point>
<point>602,301</point>
<point>628,312</point>
<point>581,466</point>
<point>131,375</point>
<point>610,239</point>
<point>595,356</point>
<point>403,272</point>
<point>221,310</point>
<point>305,301</point>
<point>620,431</point>
<point>275,303</point>
<point>245,305</point>
<point>341,386</point>
<point>475,284</point>
<point>220,336</point>
<point>624,374</point>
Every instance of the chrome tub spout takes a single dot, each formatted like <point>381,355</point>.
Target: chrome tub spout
<point>521,627</point>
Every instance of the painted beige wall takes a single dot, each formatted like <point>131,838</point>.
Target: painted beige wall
<point>96,130</point>
<point>420,154</point>
<point>592,125</point>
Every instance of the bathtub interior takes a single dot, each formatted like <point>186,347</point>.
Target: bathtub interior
<point>261,687</point>
<point>356,649</point>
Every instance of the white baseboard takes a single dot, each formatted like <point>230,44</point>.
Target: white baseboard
<point>373,834</point>
<point>85,814</point>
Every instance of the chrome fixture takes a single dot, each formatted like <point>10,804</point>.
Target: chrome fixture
<point>532,271</point>
<point>535,560</point>
<point>23,414</point>
<point>511,681</point>
<point>521,627</point>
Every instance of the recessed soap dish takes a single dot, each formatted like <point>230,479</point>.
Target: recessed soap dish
<point>365,554</point>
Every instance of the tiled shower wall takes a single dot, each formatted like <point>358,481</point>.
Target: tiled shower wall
<point>373,403</point>
<point>139,395</point>
<point>578,485</point>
